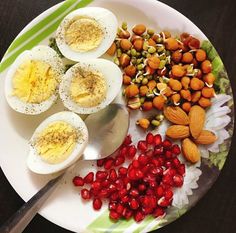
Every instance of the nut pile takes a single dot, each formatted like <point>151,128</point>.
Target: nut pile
<point>143,188</point>
<point>189,128</point>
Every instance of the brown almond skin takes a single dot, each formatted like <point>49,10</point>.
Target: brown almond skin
<point>196,120</point>
<point>178,132</point>
<point>190,151</point>
<point>206,137</point>
<point>176,115</point>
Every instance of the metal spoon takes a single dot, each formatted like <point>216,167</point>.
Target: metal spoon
<point>107,130</point>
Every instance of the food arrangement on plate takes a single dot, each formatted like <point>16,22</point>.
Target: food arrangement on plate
<point>170,85</point>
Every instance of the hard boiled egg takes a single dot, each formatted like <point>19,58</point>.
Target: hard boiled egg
<point>90,86</point>
<point>31,84</point>
<point>57,143</point>
<point>86,33</point>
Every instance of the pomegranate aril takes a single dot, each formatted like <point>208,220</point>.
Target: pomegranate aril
<point>181,169</point>
<point>153,201</point>
<point>100,162</point>
<point>85,194</point>
<point>109,163</point>
<point>88,179</point>
<point>131,151</point>
<point>112,175</point>
<point>168,194</point>
<point>157,140</point>
<point>119,160</point>
<point>143,159</point>
<point>149,153</point>
<point>112,205</point>
<point>96,185</point>
<point>168,154</point>
<point>150,191</point>
<point>163,202</point>
<point>122,193</point>
<point>122,171</point>
<point>134,204</point>
<point>119,184</point>
<point>158,151</point>
<point>142,145</point>
<point>119,208</point>
<point>123,151</point>
<point>127,140</point>
<point>135,163</point>
<point>158,212</point>
<point>114,215</point>
<point>103,193</point>
<point>166,143</point>
<point>178,180</point>
<point>101,175</point>
<point>153,184</point>
<point>105,183</point>
<point>167,179</point>
<point>175,149</point>
<point>134,192</point>
<point>168,164</point>
<point>97,204</point>
<point>170,171</point>
<point>176,162</point>
<point>150,138</point>
<point>139,216</point>
<point>114,196</point>
<point>112,188</point>
<point>139,174</point>
<point>147,210</point>
<point>132,174</point>
<point>125,199</point>
<point>127,213</point>
<point>142,187</point>
<point>159,191</point>
<point>78,181</point>
<point>161,161</point>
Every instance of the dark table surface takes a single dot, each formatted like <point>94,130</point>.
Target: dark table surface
<point>216,212</point>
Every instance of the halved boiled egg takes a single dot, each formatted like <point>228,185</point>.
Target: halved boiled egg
<point>90,86</point>
<point>31,84</point>
<point>57,143</point>
<point>86,33</point>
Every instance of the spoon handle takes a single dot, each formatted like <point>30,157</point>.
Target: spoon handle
<point>18,222</point>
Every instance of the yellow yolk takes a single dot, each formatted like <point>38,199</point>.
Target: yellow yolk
<point>83,34</point>
<point>56,142</point>
<point>88,88</point>
<point>34,82</point>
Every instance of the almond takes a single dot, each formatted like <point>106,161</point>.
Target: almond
<point>196,120</point>
<point>176,115</point>
<point>190,151</point>
<point>206,137</point>
<point>178,132</point>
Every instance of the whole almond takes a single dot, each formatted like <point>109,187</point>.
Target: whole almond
<point>196,120</point>
<point>176,115</point>
<point>190,151</point>
<point>206,137</point>
<point>178,132</point>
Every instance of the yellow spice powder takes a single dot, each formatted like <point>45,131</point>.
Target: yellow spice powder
<point>56,142</point>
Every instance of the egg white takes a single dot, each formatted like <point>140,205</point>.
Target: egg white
<point>40,53</point>
<point>113,78</point>
<point>38,165</point>
<point>104,17</point>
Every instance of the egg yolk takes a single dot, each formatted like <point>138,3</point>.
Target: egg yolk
<point>88,88</point>
<point>34,82</point>
<point>56,142</point>
<point>83,34</point>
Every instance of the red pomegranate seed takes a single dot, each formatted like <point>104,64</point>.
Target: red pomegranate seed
<point>147,168</point>
<point>147,210</point>
<point>149,153</point>
<point>124,151</point>
<point>114,196</point>
<point>158,151</point>
<point>114,215</point>
<point>142,187</point>
<point>105,183</point>
<point>168,164</point>
<point>152,184</point>
<point>161,160</point>
<point>176,162</point>
<point>119,160</point>
<point>119,208</point>
<point>171,171</point>
<point>101,175</point>
<point>157,140</point>
<point>122,171</point>
<point>135,163</point>
<point>122,193</point>
<point>153,202</point>
<point>97,204</point>
<point>127,140</point>
<point>125,199</point>
<point>176,149</point>
<point>150,138</point>
<point>112,188</point>
<point>127,213</point>
<point>126,180</point>
<point>88,179</point>
<point>119,184</point>
<point>181,169</point>
<point>168,194</point>
<point>100,162</point>
<point>163,202</point>
<point>158,212</point>
<point>142,145</point>
<point>112,175</point>
<point>139,216</point>
<point>167,179</point>
<point>132,151</point>
<point>78,181</point>
<point>96,185</point>
<point>134,204</point>
<point>150,191</point>
<point>168,154</point>
<point>132,174</point>
<point>109,163</point>
<point>85,194</point>
<point>159,191</point>
<point>112,205</point>
<point>143,159</point>
<point>178,180</point>
<point>134,192</point>
<point>166,143</point>
<point>103,193</point>
<point>139,174</point>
